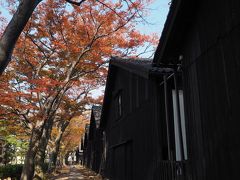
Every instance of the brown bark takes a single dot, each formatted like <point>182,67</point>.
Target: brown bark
<point>14,29</point>
<point>28,167</point>
<point>40,155</point>
<point>55,151</point>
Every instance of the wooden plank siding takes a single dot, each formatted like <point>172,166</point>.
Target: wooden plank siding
<point>216,73</point>
<point>136,139</point>
<point>133,139</point>
<point>211,75</point>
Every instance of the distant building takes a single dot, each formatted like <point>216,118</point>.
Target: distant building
<point>93,141</point>
<point>85,145</point>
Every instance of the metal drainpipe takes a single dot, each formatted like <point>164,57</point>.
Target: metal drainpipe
<point>167,116</point>
<point>179,117</point>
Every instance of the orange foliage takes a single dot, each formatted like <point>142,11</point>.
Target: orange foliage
<point>73,134</point>
<point>62,55</point>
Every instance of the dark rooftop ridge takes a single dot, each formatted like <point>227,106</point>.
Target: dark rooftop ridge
<point>139,66</point>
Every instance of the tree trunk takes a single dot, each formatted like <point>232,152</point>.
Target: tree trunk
<point>28,167</point>
<point>40,155</point>
<point>55,151</point>
<point>64,160</point>
<point>14,29</point>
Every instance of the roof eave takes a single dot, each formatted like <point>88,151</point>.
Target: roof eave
<point>167,30</point>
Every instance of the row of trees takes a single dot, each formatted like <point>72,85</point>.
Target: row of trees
<point>58,60</point>
<point>14,142</point>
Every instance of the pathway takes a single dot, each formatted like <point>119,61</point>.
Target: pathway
<point>75,173</point>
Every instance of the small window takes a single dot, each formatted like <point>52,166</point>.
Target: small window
<point>118,105</point>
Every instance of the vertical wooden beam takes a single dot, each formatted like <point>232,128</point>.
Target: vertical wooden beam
<point>179,117</point>
<point>167,116</point>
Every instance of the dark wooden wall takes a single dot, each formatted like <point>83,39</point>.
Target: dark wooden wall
<point>211,67</point>
<point>93,145</point>
<point>134,146</point>
<point>97,150</point>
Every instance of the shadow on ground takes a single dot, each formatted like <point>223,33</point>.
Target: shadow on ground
<point>75,173</point>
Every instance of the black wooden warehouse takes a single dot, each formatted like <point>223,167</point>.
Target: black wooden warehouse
<point>176,118</point>
<point>133,121</point>
<point>205,37</point>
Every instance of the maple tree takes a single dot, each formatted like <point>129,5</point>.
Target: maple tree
<point>65,138</point>
<point>59,58</point>
<point>22,14</point>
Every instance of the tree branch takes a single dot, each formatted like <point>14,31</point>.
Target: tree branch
<point>75,3</point>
